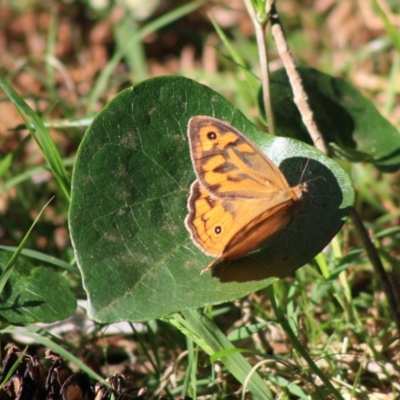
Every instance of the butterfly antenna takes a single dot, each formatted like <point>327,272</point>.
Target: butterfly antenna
<point>304,170</point>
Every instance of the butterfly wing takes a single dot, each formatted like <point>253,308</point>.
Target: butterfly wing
<point>210,220</point>
<point>228,164</point>
<point>229,228</point>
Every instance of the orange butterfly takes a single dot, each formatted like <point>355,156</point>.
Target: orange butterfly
<point>240,197</point>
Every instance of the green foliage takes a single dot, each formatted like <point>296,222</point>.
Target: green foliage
<point>34,294</point>
<point>349,122</point>
<point>42,137</point>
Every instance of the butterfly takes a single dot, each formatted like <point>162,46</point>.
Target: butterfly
<point>240,198</point>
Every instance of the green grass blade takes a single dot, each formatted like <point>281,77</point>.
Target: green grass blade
<point>51,55</point>
<point>390,29</point>
<point>11,263</point>
<point>29,173</point>
<point>9,158</point>
<point>226,352</point>
<point>391,92</point>
<point>246,331</point>
<point>251,79</point>
<point>10,373</point>
<point>37,255</point>
<point>136,57</point>
<point>41,136</point>
<point>212,340</point>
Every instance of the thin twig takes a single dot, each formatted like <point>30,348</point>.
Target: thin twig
<point>378,266</point>
<point>259,28</point>
<point>299,95</point>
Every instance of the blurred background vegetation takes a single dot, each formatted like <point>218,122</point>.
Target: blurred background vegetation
<point>69,58</point>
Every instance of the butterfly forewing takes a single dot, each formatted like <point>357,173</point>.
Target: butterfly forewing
<point>227,164</point>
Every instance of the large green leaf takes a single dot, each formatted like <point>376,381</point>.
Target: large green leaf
<point>34,294</point>
<point>129,193</point>
<point>349,122</point>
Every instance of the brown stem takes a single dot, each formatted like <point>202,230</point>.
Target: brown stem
<point>299,95</point>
